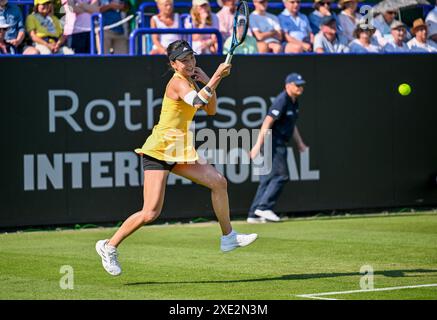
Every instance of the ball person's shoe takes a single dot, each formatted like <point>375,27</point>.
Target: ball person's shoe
<point>268,215</point>
<point>109,256</point>
<point>256,220</point>
<point>235,240</point>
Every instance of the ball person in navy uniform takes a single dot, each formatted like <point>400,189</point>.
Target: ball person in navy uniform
<point>281,119</point>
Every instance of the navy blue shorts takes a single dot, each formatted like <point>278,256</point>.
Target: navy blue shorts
<point>150,163</point>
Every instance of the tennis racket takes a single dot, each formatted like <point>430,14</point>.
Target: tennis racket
<point>241,25</point>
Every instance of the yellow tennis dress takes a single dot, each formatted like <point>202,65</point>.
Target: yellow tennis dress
<point>171,140</point>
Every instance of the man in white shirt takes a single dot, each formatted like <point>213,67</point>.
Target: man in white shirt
<point>397,42</point>
<point>296,26</point>
<point>432,34</point>
<point>432,15</point>
<point>420,43</point>
<point>328,40</point>
<point>382,23</point>
<point>431,21</point>
<point>266,28</point>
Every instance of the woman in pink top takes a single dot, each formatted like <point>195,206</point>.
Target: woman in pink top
<point>226,16</point>
<point>165,19</point>
<point>78,23</point>
<point>202,17</point>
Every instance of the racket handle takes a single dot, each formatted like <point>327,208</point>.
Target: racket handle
<point>228,58</point>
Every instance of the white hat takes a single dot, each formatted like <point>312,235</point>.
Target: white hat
<point>200,2</point>
<point>3,23</point>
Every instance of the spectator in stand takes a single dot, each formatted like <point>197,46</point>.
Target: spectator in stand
<point>249,46</point>
<point>431,21</point>
<point>348,18</point>
<point>114,38</point>
<point>226,16</point>
<point>432,15</point>
<point>432,34</point>
<point>328,40</point>
<point>14,19</point>
<point>322,8</point>
<point>78,23</point>
<point>382,23</point>
<point>397,41</point>
<point>420,43</point>
<point>266,28</point>
<point>165,19</point>
<point>296,26</point>
<point>202,17</point>
<point>5,47</point>
<point>45,30</point>
<point>363,42</point>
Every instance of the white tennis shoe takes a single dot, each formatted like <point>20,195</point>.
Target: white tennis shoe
<point>109,256</point>
<point>235,240</point>
<point>268,215</point>
<point>256,220</point>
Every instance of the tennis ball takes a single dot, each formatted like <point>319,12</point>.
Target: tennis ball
<point>404,89</point>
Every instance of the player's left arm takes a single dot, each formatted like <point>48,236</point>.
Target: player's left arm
<point>299,141</point>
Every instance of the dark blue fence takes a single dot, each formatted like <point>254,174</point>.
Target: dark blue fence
<point>135,33</point>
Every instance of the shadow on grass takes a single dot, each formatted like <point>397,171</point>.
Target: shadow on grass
<point>386,273</point>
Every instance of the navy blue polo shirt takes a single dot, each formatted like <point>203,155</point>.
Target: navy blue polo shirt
<point>285,112</point>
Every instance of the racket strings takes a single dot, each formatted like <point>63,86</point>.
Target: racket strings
<point>242,22</point>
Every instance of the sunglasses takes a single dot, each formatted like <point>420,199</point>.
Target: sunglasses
<point>391,12</point>
<point>325,3</point>
<point>3,29</point>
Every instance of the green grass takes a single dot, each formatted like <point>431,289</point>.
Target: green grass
<point>298,256</point>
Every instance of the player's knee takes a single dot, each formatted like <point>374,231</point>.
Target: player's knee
<point>220,183</point>
<point>149,215</point>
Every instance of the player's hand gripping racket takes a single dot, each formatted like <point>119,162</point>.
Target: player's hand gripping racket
<point>241,25</point>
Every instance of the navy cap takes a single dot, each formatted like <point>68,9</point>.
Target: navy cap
<point>295,78</point>
<point>181,51</point>
<point>327,20</point>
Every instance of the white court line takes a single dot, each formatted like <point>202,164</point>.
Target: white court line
<point>317,295</point>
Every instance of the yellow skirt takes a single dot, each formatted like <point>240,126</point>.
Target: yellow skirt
<point>171,145</point>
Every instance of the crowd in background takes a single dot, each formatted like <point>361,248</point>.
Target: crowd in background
<point>291,31</point>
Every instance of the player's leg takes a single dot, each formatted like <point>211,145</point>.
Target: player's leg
<point>208,176</point>
<point>154,191</point>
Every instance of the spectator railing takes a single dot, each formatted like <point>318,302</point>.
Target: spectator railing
<point>26,3</point>
<point>99,17</point>
<point>133,50</point>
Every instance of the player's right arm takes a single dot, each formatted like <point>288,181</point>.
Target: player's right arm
<point>267,124</point>
<point>181,89</point>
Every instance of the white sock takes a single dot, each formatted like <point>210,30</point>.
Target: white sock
<point>233,233</point>
<point>109,247</point>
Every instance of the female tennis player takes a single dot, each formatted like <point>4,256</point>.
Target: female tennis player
<point>169,148</point>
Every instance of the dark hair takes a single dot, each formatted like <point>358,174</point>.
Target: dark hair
<point>175,45</point>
